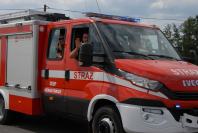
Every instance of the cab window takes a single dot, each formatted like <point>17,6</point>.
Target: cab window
<point>56,44</point>
<point>79,31</point>
<point>80,36</point>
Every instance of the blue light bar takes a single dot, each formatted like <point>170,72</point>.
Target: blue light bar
<point>130,19</point>
<point>113,17</point>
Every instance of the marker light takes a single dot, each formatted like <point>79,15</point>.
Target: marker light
<point>113,17</point>
<point>178,106</point>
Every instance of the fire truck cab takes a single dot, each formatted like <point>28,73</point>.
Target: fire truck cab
<point>126,78</point>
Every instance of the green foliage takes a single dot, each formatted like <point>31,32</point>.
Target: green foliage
<point>184,37</point>
<point>177,36</point>
<point>168,32</point>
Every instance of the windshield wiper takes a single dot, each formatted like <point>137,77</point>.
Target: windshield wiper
<point>163,56</point>
<point>135,53</point>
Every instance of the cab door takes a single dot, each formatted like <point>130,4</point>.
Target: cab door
<point>84,82</point>
<point>54,70</point>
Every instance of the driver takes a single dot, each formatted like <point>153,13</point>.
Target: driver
<point>74,53</point>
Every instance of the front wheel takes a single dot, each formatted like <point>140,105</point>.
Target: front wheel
<point>107,120</point>
<point>4,113</point>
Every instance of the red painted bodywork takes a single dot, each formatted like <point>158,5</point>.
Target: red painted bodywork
<point>87,89</point>
<point>16,29</point>
<point>25,105</point>
<point>3,61</point>
<point>160,70</point>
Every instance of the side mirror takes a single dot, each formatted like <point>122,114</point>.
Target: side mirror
<point>86,55</point>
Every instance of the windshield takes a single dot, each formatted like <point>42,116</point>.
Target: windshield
<point>128,41</point>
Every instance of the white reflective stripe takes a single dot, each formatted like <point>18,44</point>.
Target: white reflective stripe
<point>43,73</point>
<point>101,76</point>
<point>122,82</point>
<point>97,76</point>
<point>56,74</point>
<point>159,94</point>
<point>126,83</point>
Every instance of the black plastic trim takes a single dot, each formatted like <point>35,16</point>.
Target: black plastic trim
<point>77,106</point>
<point>46,73</point>
<point>67,75</point>
<point>144,102</point>
<point>65,105</point>
<point>177,113</point>
<point>179,95</point>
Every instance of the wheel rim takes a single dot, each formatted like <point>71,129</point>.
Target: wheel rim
<point>1,109</point>
<point>105,125</point>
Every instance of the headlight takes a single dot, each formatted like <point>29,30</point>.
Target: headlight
<point>141,81</point>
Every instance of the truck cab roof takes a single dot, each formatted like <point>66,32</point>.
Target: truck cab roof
<point>139,24</point>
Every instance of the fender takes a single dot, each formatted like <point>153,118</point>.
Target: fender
<point>5,93</point>
<point>94,101</point>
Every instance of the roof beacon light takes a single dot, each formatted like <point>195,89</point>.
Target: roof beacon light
<point>137,20</point>
<point>113,17</point>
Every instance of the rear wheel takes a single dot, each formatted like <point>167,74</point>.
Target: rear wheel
<point>4,113</point>
<point>107,120</point>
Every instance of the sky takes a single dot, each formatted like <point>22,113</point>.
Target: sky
<point>163,9</point>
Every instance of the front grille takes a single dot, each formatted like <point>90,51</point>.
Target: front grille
<point>177,113</point>
<point>186,96</point>
<point>179,95</point>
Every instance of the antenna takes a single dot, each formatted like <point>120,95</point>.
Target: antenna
<point>85,2</point>
<point>45,8</point>
<point>98,6</point>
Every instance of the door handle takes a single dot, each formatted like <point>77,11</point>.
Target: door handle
<point>67,74</point>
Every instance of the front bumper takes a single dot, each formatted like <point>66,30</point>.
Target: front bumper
<point>135,120</point>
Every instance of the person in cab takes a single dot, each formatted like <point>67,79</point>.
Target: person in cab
<point>78,43</point>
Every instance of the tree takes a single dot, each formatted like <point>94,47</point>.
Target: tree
<point>172,32</point>
<point>188,35</point>
<point>185,37</point>
<point>168,32</point>
<point>176,36</point>
<point>190,38</point>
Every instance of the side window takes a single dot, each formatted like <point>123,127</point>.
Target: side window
<point>85,34</point>
<point>56,44</point>
<point>80,35</point>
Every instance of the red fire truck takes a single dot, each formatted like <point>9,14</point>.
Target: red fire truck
<point>127,78</point>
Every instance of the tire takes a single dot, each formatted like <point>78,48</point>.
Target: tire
<point>107,120</point>
<point>4,113</point>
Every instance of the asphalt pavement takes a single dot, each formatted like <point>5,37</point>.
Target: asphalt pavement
<point>27,124</point>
